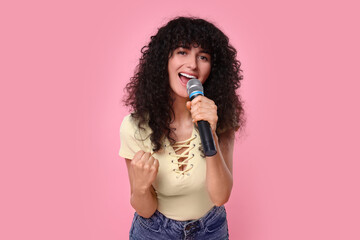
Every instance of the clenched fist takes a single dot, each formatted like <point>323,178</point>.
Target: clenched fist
<point>144,169</point>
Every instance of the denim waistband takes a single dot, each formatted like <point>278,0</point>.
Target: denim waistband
<point>213,225</point>
<point>201,222</point>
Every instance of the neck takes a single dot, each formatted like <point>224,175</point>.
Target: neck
<point>182,114</point>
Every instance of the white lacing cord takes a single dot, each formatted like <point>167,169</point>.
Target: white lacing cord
<point>178,146</point>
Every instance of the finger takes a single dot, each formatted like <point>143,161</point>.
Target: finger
<point>156,164</point>
<point>208,104</point>
<point>199,116</point>
<point>150,161</point>
<point>212,120</point>
<point>205,114</point>
<point>138,156</point>
<point>145,157</point>
<point>197,99</point>
<point>203,109</point>
<point>188,105</point>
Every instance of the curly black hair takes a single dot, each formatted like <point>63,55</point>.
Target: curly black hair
<point>149,89</point>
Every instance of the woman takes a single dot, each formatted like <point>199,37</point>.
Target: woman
<point>177,191</point>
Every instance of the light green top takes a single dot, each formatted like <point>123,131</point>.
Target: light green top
<point>182,195</point>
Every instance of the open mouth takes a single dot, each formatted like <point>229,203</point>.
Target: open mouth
<point>184,78</point>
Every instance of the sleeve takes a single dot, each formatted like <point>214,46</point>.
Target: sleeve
<point>128,144</point>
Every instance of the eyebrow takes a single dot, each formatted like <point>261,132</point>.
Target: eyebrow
<point>201,51</point>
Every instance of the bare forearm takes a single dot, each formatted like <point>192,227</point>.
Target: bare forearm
<point>144,202</point>
<point>218,178</point>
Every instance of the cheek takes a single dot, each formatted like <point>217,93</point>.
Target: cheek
<point>171,63</point>
<point>207,71</point>
<point>172,66</point>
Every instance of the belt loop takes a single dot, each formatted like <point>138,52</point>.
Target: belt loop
<point>201,223</point>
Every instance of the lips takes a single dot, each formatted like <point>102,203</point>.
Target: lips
<point>185,77</point>
<point>188,75</point>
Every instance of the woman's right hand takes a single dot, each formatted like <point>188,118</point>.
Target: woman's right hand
<point>144,169</point>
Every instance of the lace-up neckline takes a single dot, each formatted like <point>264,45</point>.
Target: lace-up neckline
<point>181,153</point>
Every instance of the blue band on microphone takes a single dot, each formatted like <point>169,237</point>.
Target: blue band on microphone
<point>196,92</point>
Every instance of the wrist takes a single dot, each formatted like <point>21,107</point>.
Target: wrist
<point>141,190</point>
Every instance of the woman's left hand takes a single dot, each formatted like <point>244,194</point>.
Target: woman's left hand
<point>202,108</point>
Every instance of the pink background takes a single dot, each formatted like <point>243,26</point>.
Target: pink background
<point>63,67</point>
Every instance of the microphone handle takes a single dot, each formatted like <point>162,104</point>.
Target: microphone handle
<point>207,138</point>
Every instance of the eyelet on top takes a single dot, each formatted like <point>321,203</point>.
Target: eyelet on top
<point>193,155</point>
<point>195,135</point>
<point>169,153</point>
<point>194,144</point>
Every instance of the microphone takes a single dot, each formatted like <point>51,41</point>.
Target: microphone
<point>194,89</point>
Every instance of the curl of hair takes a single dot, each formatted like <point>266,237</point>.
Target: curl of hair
<point>148,92</point>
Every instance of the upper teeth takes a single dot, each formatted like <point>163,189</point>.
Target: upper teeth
<point>187,75</point>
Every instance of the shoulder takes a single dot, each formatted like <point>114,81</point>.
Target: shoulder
<point>226,138</point>
<point>128,122</point>
<point>130,127</point>
<point>132,138</point>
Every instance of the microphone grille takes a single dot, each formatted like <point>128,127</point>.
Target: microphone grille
<point>193,86</point>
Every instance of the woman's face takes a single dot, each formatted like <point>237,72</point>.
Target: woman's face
<point>186,63</point>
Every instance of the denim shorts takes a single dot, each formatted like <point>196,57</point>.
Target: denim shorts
<point>212,226</point>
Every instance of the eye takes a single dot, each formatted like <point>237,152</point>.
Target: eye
<point>181,52</point>
<point>204,58</point>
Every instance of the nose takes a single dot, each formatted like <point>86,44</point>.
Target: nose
<point>192,63</point>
